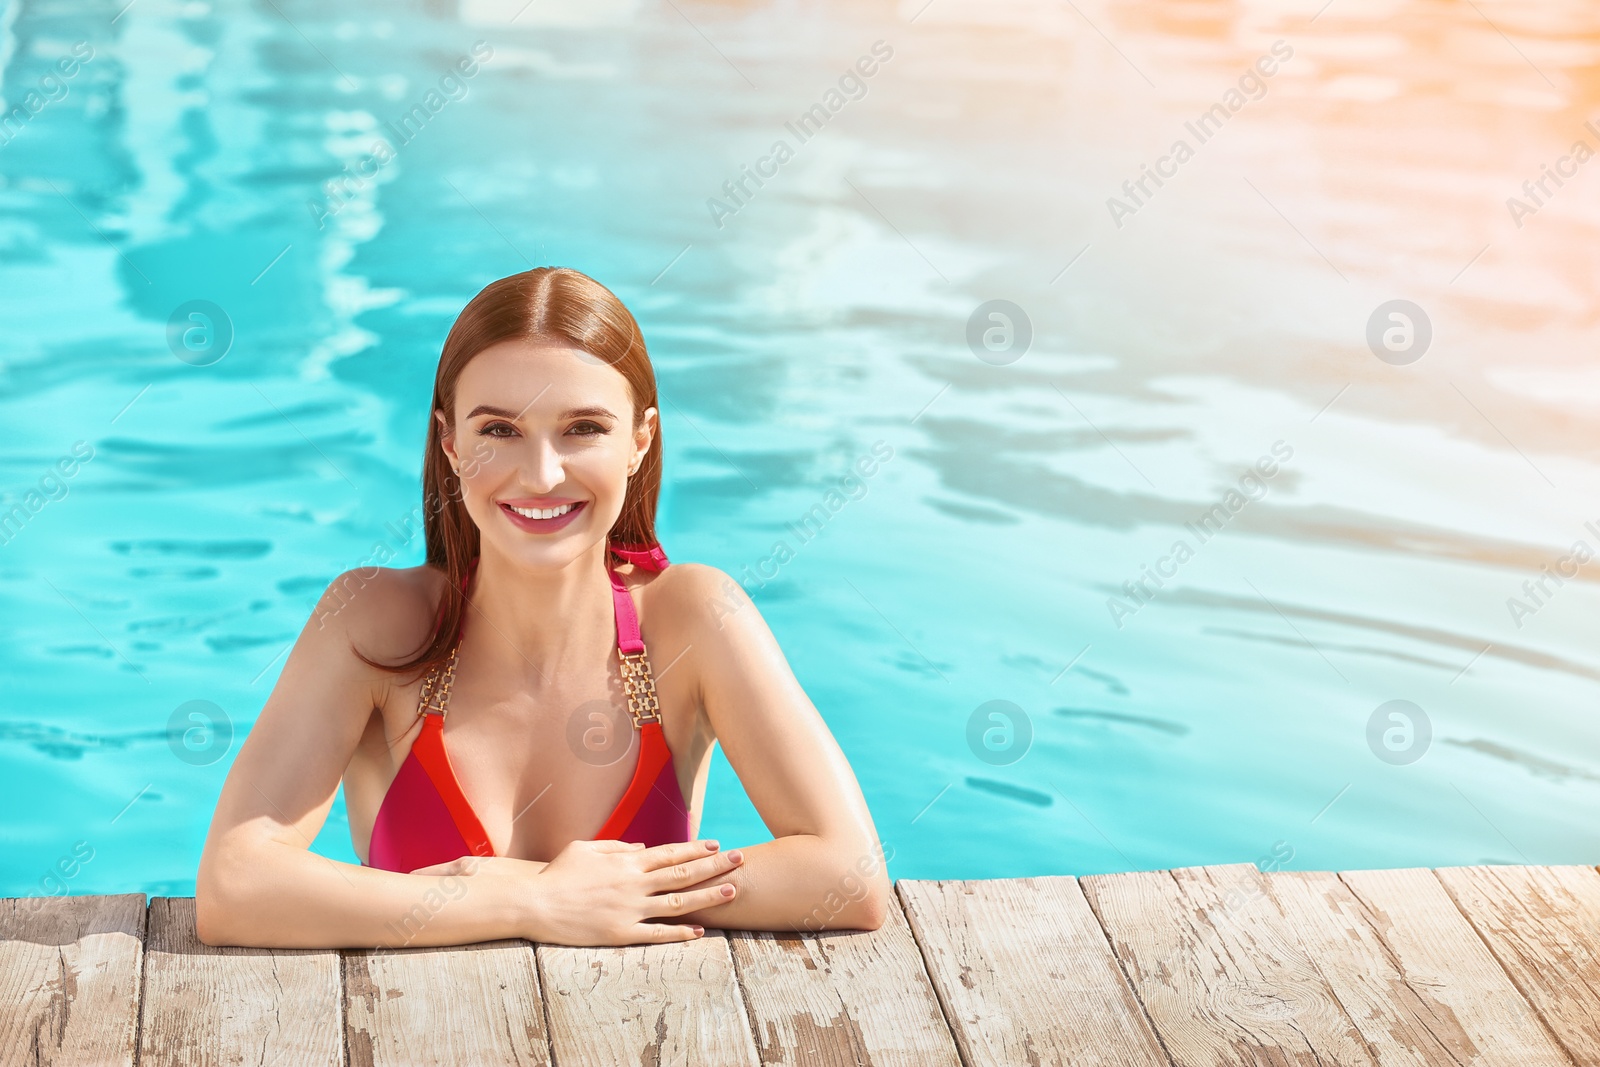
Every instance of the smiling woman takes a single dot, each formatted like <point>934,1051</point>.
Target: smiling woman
<point>533,617</point>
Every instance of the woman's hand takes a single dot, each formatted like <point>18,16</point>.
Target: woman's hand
<point>600,892</point>
<point>500,886</point>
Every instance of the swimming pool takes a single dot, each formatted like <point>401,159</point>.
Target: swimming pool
<point>233,245</point>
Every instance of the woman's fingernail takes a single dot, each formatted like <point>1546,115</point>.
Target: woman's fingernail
<point>712,845</point>
<point>736,855</point>
<point>699,931</point>
<point>727,890</point>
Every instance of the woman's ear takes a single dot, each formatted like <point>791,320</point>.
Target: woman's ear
<point>447,440</point>
<point>643,436</point>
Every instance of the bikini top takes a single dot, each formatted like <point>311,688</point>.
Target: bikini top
<point>425,818</point>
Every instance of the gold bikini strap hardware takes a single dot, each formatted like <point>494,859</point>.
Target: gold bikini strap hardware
<point>436,691</point>
<point>637,680</point>
<point>640,685</point>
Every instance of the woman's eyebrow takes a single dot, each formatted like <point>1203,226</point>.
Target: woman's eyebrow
<point>574,413</point>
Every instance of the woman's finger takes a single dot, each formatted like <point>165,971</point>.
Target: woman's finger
<point>692,900</point>
<point>609,845</point>
<point>660,933</point>
<point>693,871</point>
<point>675,852</point>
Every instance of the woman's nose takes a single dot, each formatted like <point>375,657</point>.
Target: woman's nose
<point>544,468</point>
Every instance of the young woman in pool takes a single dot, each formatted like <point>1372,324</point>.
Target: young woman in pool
<point>583,681</point>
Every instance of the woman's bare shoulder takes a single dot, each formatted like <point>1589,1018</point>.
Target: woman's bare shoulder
<point>691,595</point>
<point>387,612</point>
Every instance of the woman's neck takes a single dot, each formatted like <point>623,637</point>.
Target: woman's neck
<point>536,624</point>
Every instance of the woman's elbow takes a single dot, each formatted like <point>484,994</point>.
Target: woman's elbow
<point>217,903</point>
<point>210,916</point>
<point>871,899</point>
<point>873,910</point>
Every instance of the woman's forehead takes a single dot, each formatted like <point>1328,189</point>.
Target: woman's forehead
<point>540,375</point>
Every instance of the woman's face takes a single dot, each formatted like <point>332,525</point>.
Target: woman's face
<point>543,443</point>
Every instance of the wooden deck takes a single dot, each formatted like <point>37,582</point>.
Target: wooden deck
<point>1198,966</point>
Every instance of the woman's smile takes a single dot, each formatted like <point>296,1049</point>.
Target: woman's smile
<point>527,515</point>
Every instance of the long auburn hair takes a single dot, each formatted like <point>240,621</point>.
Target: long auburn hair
<point>547,303</point>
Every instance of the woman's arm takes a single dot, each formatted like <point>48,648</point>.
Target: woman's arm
<point>258,883</point>
<point>825,869</point>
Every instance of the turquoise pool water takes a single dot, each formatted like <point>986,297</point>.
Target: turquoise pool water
<point>978,621</point>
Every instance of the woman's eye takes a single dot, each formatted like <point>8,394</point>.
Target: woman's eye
<point>502,429</point>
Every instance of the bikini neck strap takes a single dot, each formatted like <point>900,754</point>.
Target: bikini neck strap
<point>647,557</point>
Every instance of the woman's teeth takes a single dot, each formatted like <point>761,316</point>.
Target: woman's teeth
<point>543,513</point>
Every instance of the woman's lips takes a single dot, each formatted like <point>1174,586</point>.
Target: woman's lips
<point>544,525</point>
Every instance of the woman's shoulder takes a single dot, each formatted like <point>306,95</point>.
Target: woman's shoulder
<point>689,594</point>
<point>388,611</point>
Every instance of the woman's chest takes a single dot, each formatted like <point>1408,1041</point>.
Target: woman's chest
<point>542,766</point>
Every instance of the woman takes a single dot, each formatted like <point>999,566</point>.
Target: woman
<point>583,679</point>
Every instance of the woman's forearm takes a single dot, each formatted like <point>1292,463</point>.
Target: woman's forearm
<point>801,882</point>
<point>269,894</point>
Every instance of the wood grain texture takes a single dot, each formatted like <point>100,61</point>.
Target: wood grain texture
<point>842,999</point>
<point>653,1005</point>
<point>227,1006</point>
<point>1220,972</point>
<point>1025,974</point>
<point>69,979</point>
<point>1437,952</point>
<point>1405,1022</point>
<point>1197,967</point>
<point>446,1006</point>
<point>1543,926</point>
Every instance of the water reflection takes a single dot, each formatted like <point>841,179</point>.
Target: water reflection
<point>234,160</point>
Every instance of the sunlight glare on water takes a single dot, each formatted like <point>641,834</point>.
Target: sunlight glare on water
<point>1187,334</point>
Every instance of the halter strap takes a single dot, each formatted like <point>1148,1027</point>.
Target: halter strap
<point>638,681</point>
<point>650,556</point>
<point>628,639</point>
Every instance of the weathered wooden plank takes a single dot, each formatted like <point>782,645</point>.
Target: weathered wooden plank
<point>1360,968</point>
<point>1405,1022</point>
<point>676,1003</point>
<point>851,997</point>
<point>69,979</point>
<point>1436,950</point>
<point>1543,926</point>
<point>1025,974</point>
<point>205,1005</point>
<point>447,1006</point>
<point>1220,972</point>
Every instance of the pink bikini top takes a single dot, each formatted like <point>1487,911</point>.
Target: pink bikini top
<point>425,818</point>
